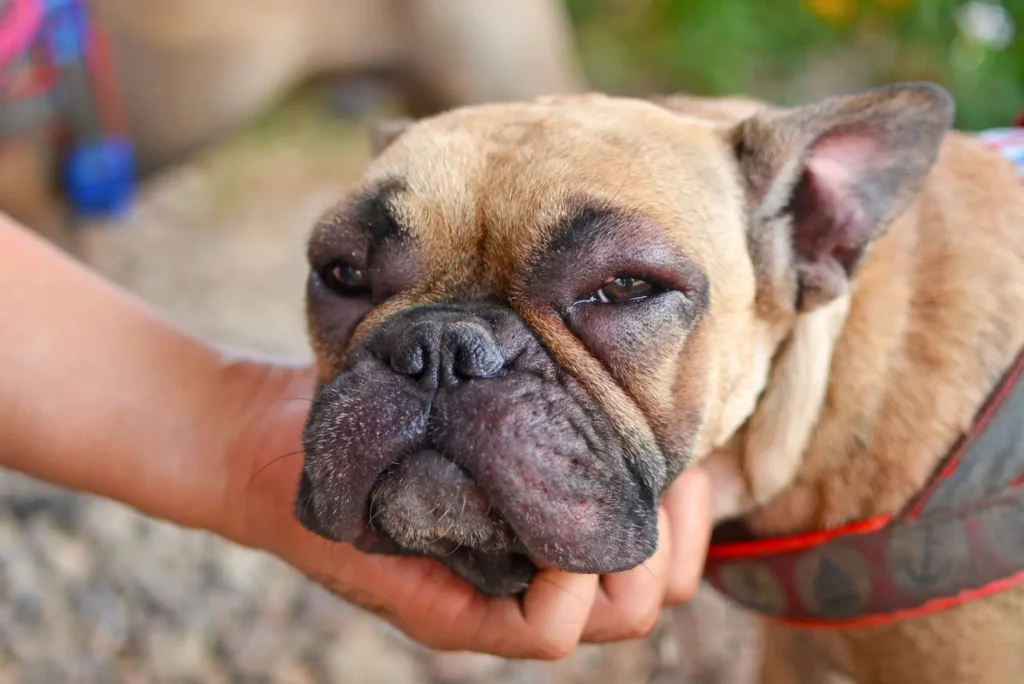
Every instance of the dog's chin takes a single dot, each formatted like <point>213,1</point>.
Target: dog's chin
<point>429,506</point>
<point>492,573</point>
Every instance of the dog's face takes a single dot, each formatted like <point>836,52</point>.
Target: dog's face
<point>528,318</point>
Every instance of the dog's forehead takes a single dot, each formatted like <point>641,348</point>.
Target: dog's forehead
<point>502,177</point>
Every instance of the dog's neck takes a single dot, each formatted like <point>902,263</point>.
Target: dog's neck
<point>867,395</point>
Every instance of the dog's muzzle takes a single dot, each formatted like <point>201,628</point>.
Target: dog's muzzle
<point>451,433</point>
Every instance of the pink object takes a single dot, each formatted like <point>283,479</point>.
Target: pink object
<point>18,28</point>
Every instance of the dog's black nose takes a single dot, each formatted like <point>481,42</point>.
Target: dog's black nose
<point>440,352</point>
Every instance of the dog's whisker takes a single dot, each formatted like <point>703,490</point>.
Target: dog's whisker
<point>442,529</point>
<point>649,571</point>
<point>457,547</point>
<point>541,578</point>
<point>434,509</point>
<point>273,461</point>
<point>306,505</point>
<point>375,513</point>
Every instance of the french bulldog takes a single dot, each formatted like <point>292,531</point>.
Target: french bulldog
<point>529,318</point>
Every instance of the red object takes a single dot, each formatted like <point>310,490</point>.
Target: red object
<point>101,67</point>
<point>1020,119</point>
<point>960,539</point>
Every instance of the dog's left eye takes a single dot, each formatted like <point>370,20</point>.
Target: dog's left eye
<point>344,279</point>
<point>625,289</point>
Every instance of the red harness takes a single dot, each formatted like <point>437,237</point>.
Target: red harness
<point>960,539</point>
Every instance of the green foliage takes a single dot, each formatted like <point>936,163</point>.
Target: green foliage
<point>791,51</point>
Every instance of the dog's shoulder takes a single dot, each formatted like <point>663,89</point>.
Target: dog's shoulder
<point>975,195</point>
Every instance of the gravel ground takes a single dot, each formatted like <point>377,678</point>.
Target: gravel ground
<point>93,592</point>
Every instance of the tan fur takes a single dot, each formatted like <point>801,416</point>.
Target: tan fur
<point>808,419</point>
<point>764,457</point>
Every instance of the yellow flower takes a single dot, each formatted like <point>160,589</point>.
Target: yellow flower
<point>833,11</point>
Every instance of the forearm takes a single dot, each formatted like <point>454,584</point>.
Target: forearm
<point>99,393</point>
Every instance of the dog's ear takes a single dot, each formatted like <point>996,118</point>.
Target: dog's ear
<point>385,132</point>
<point>825,180</point>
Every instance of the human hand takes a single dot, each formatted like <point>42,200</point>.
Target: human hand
<point>420,596</point>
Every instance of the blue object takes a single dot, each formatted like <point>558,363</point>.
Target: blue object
<point>100,176</point>
<point>67,27</point>
<point>99,167</point>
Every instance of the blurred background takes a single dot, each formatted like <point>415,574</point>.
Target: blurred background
<point>792,51</point>
<point>183,149</point>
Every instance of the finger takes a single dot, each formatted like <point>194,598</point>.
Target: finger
<point>545,624</point>
<point>556,608</point>
<point>629,603</point>
<point>424,600</point>
<point>688,503</point>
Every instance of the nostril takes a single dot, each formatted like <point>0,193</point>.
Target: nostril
<point>475,358</point>
<point>409,358</point>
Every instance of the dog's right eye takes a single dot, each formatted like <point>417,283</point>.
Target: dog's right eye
<point>625,289</point>
<point>344,279</point>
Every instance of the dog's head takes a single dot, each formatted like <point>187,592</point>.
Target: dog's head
<point>528,318</point>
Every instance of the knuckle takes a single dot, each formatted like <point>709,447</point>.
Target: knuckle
<point>640,621</point>
<point>682,591</point>
<point>555,649</point>
<point>647,625</point>
<point>436,639</point>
